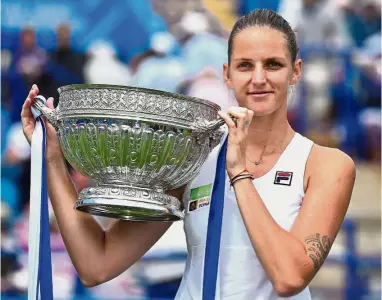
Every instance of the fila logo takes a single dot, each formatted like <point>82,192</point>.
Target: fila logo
<point>283,178</point>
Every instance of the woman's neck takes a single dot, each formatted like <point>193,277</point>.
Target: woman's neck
<point>268,131</point>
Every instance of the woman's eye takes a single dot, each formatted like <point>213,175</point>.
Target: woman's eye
<point>274,65</point>
<point>244,65</point>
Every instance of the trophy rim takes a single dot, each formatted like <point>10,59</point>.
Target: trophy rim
<point>138,89</point>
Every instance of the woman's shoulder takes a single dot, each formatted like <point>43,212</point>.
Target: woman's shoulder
<point>325,161</point>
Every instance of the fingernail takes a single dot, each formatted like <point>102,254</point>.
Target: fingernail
<point>33,86</point>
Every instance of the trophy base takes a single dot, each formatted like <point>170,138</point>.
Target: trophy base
<point>134,204</point>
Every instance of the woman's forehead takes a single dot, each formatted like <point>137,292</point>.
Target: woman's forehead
<point>257,42</point>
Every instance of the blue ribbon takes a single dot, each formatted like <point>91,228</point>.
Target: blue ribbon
<point>40,264</point>
<point>45,263</point>
<point>215,218</point>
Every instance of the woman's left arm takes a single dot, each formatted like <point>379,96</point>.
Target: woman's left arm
<point>291,259</point>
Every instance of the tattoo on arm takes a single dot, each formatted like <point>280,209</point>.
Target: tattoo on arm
<point>318,249</point>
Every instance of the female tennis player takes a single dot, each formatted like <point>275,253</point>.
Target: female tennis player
<point>285,197</point>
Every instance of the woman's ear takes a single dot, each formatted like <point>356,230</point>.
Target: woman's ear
<point>227,79</point>
<point>296,72</point>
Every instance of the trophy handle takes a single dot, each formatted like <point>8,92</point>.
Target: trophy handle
<point>203,126</point>
<point>50,114</point>
<point>212,130</point>
<point>214,125</point>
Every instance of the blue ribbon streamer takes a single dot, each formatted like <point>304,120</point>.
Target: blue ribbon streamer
<point>45,263</point>
<point>45,267</point>
<point>215,218</point>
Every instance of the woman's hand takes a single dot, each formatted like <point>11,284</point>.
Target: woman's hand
<point>53,149</point>
<point>237,138</point>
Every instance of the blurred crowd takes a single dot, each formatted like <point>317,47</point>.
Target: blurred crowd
<point>338,102</point>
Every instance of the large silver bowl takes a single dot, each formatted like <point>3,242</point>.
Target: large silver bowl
<point>135,144</point>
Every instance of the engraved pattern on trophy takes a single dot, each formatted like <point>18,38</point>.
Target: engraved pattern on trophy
<point>140,103</point>
<point>136,194</point>
<point>136,144</point>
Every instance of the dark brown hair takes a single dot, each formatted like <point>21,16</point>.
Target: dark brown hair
<point>265,18</point>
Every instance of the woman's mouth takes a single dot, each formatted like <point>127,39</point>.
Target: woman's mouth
<point>259,93</point>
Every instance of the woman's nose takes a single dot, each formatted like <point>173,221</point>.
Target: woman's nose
<point>258,75</point>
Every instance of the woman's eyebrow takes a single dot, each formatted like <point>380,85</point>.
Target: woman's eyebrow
<point>242,59</point>
<point>265,59</point>
<point>275,58</point>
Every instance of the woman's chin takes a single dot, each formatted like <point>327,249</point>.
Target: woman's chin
<point>262,109</point>
<point>261,106</point>
<point>262,113</point>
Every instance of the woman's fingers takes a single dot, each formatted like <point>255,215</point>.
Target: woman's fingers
<point>230,123</point>
<point>243,116</point>
<point>33,92</point>
<point>25,111</point>
<point>27,119</point>
<point>49,102</point>
<point>35,89</point>
<point>237,138</point>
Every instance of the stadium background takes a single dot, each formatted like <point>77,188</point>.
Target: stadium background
<point>180,46</point>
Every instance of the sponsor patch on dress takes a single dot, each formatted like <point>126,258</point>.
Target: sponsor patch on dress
<point>200,197</point>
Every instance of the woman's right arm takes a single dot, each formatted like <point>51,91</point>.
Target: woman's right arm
<point>98,255</point>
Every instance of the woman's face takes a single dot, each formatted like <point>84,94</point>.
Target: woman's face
<point>261,70</point>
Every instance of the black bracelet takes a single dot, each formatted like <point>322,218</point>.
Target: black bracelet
<point>241,176</point>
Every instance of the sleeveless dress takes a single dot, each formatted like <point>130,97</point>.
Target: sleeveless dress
<point>240,274</point>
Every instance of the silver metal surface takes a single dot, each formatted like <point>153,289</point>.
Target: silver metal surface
<point>136,144</point>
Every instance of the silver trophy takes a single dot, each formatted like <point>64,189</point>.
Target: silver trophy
<point>135,144</point>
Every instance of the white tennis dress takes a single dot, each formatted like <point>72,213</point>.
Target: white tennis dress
<point>240,274</point>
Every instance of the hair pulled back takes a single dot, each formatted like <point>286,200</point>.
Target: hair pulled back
<point>265,18</point>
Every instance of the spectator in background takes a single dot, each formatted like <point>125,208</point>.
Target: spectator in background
<point>363,18</point>
<point>317,22</point>
<point>157,68</point>
<point>6,59</point>
<point>30,60</point>
<point>368,60</point>
<point>371,14</point>
<point>14,152</point>
<point>191,13</point>
<point>138,59</point>
<point>245,6</point>
<point>103,67</point>
<point>14,155</point>
<point>191,24</point>
<point>26,67</point>
<point>67,65</point>
<point>159,73</point>
<point>204,50</point>
<point>209,86</point>
<point>9,263</point>
<point>320,26</point>
<point>15,161</point>
<point>162,44</point>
